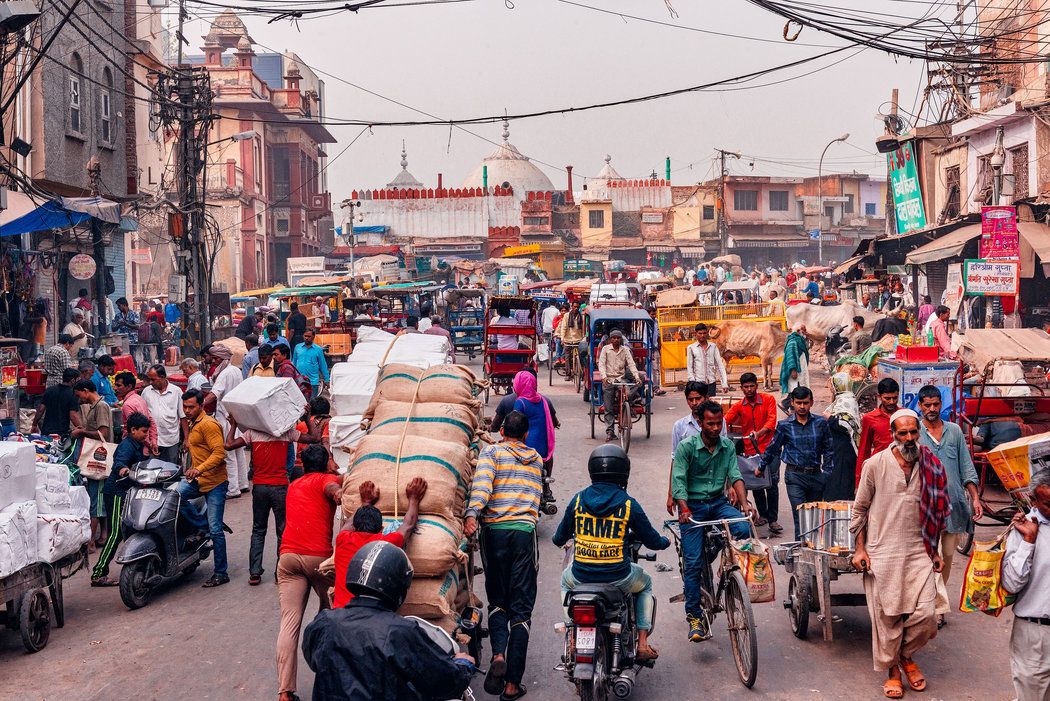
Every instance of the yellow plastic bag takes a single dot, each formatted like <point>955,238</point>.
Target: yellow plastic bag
<point>983,582</point>
<point>752,556</point>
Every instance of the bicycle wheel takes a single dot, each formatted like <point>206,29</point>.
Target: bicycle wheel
<point>964,544</point>
<point>577,373</point>
<point>741,621</point>
<point>625,426</point>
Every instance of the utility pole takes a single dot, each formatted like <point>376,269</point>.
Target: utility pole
<point>350,237</point>
<point>720,208</point>
<point>99,250</point>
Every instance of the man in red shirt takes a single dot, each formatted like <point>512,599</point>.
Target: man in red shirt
<point>131,403</point>
<point>307,542</point>
<point>875,433</point>
<point>755,417</point>
<point>366,526</point>
<point>269,455</point>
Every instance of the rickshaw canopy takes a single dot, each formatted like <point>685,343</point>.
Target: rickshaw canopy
<point>983,347</point>
<point>285,292</point>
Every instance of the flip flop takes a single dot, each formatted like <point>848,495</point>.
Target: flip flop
<point>916,680</point>
<point>494,678</point>
<point>893,689</point>
<point>513,697</point>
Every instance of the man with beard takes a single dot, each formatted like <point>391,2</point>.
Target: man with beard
<point>900,512</point>
<point>875,425</point>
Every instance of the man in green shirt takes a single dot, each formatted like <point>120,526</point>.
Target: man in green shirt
<point>704,470</point>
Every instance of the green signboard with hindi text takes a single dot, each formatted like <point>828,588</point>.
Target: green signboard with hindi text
<point>904,184</point>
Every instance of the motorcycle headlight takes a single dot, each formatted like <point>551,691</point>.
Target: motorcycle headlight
<point>146,476</point>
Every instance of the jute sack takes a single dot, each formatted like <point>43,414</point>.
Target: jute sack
<point>431,597</point>
<point>438,383</point>
<point>447,468</point>
<point>440,421</point>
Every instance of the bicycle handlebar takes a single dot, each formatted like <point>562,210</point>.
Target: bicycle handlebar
<point>718,522</point>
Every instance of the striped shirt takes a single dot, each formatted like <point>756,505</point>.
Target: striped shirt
<point>507,486</point>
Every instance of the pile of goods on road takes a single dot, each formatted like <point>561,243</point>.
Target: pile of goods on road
<point>272,405</point>
<point>438,405</point>
<point>42,517</point>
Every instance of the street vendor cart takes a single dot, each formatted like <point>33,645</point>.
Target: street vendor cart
<point>33,598</point>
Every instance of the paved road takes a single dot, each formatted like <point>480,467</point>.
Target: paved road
<point>219,644</point>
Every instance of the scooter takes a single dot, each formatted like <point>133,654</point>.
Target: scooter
<point>159,546</point>
<point>835,345</point>
<point>601,639</point>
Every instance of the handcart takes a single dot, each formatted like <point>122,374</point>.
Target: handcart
<point>823,554</point>
<point>33,599</point>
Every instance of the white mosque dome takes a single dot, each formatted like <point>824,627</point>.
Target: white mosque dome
<point>507,166</point>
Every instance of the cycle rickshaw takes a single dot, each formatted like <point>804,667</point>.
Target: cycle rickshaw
<point>639,330</point>
<point>466,319</point>
<point>510,343</point>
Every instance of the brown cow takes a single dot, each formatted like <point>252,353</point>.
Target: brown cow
<point>741,338</point>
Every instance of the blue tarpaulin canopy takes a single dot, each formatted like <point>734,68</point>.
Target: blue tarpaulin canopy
<point>50,215</point>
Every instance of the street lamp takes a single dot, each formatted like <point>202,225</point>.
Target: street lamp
<point>820,198</point>
<point>352,205</point>
<point>239,136</point>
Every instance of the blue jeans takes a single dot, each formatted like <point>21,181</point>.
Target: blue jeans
<point>802,487</point>
<point>638,582</point>
<point>693,545</point>
<point>216,499</point>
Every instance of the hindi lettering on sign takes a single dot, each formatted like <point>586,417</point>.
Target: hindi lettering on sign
<point>907,193</point>
<point>991,278</point>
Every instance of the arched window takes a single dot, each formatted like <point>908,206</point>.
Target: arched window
<point>107,105</point>
<point>76,93</point>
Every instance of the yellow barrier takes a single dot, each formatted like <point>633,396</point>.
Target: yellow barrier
<point>676,333</point>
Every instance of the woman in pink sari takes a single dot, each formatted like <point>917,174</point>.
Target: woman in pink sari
<point>542,420</point>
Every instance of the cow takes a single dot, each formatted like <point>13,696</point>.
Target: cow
<point>820,320</point>
<point>741,338</point>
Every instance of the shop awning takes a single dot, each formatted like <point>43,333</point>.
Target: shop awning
<point>947,246</point>
<point>848,265</point>
<point>1037,236</point>
<point>693,251</point>
<point>48,216</point>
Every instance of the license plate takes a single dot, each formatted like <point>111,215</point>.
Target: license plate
<point>151,494</point>
<point>585,638</point>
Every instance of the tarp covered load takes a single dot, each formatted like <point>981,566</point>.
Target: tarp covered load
<point>269,404</point>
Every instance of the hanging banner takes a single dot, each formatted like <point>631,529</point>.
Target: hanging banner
<point>990,278</point>
<point>907,195</point>
<point>954,289</point>
<point>82,266</point>
<point>999,239</point>
<point>140,256</point>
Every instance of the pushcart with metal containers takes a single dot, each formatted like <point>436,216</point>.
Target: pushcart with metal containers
<point>824,553</point>
<point>466,319</point>
<point>33,598</point>
<point>510,343</point>
<point>639,331</point>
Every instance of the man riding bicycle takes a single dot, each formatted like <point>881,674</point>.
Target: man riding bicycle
<point>603,519</point>
<point>615,365</point>
<point>704,465</point>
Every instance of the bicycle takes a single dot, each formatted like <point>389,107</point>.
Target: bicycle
<point>624,412</point>
<point>731,594</point>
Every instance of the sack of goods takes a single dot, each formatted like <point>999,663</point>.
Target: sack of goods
<point>58,535</point>
<point>432,598</point>
<point>17,473</point>
<point>53,495</point>
<point>454,384</point>
<point>447,468</point>
<point>17,536</point>
<point>438,421</point>
<point>354,381</point>
<point>344,433</point>
<point>752,555</point>
<point>272,405</point>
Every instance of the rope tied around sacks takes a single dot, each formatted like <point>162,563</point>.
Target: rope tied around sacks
<point>401,442</point>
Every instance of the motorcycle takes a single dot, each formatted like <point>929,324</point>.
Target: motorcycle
<point>601,639</point>
<point>835,345</point>
<point>158,546</point>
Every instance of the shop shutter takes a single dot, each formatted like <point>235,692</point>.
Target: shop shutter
<point>114,255</point>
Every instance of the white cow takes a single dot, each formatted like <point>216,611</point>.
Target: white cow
<point>819,320</point>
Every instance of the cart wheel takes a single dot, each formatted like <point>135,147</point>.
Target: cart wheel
<point>592,412</point>
<point>487,393</point>
<point>964,544</point>
<point>35,619</point>
<point>57,601</point>
<point>798,607</point>
<point>648,419</point>
<point>625,426</point>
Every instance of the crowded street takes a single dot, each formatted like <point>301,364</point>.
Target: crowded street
<point>219,644</point>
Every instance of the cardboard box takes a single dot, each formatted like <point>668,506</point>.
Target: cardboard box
<point>269,404</point>
<point>1015,462</point>
<point>17,473</point>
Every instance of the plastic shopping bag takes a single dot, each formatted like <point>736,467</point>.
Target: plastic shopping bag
<point>982,585</point>
<point>752,556</point>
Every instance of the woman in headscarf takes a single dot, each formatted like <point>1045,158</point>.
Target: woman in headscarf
<point>542,421</point>
<point>794,370</point>
<point>843,416</point>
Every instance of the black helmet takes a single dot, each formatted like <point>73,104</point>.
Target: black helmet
<point>609,463</point>
<point>380,569</point>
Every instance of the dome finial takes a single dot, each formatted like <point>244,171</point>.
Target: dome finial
<point>506,131</point>
<point>404,156</point>
<point>608,159</point>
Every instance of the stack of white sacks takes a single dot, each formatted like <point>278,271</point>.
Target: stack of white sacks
<point>354,381</point>
<point>422,423</point>
<point>42,518</point>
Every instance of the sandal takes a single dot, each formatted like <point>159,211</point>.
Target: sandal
<point>104,582</point>
<point>494,678</point>
<point>647,655</point>
<point>216,581</point>
<point>760,521</point>
<point>916,680</point>
<point>255,580</point>
<point>513,697</point>
<point>893,689</point>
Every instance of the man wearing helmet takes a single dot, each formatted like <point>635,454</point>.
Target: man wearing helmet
<point>366,652</point>
<point>603,519</point>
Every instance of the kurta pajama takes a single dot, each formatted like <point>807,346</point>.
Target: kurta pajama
<point>900,584</point>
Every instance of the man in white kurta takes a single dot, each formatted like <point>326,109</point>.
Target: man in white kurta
<point>900,576</point>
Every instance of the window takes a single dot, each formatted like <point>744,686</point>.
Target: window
<point>745,200</point>
<point>953,191</point>
<point>1019,161</point>
<point>282,227</point>
<point>871,209</point>
<point>709,212</point>
<point>596,219</point>
<point>106,106</point>
<point>848,207</point>
<point>536,221</point>
<point>778,200</point>
<point>76,93</point>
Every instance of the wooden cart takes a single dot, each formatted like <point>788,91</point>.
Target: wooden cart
<point>33,598</point>
<point>809,589</point>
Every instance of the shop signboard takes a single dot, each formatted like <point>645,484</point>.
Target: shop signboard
<point>991,278</point>
<point>999,234</point>
<point>82,266</point>
<point>907,195</point>
<point>141,256</point>
<point>954,289</point>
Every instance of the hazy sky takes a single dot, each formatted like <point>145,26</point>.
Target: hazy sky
<point>480,57</point>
